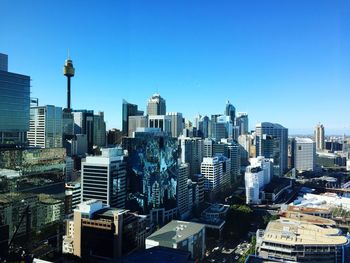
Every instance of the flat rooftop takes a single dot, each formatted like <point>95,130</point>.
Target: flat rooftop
<point>295,232</point>
<point>176,231</point>
<point>308,218</point>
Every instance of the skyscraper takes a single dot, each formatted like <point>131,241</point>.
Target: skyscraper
<point>176,123</point>
<point>182,190</point>
<point>99,130</point>
<point>104,178</point>
<point>203,127</point>
<point>277,146</point>
<point>45,127</point>
<point>84,124</point>
<point>129,109</point>
<point>230,110</point>
<point>14,105</point>
<point>156,105</point>
<point>303,154</point>
<point>191,153</point>
<point>152,174</point>
<point>242,122</point>
<point>319,137</point>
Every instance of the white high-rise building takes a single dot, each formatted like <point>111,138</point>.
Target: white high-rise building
<point>257,175</point>
<point>46,129</point>
<point>216,172</point>
<point>303,154</point>
<point>319,137</point>
<point>104,178</point>
<point>163,122</point>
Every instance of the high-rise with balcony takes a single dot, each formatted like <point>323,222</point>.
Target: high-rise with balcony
<point>46,129</point>
<point>14,106</point>
<point>319,137</point>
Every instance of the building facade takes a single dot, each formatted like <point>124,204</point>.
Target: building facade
<point>303,154</point>
<point>46,130</point>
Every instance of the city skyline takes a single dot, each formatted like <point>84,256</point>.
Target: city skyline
<point>293,54</point>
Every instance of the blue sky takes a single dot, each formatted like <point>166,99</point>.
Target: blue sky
<point>280,61</point>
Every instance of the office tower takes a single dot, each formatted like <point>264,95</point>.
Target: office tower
<point>197,120</point>
<point>114,137</point>
<point>156,105</point>
<point>242,122</point>
<point>203,127</point>
<point>137,122</point>
<point>104,178</point>
<point>256,176</point>
<point>199,180</point>
<point>232,151</point>
<point>303,154</point>
<point>99,130</point>
<point>319,137</point>
<point>182,235</point>
<point>45,127</point>
<point>99,232</point>
<point>176,123</point>
<point>163,122</point>
<point>246,141</point>
<point>84,124</point>
<point>276,136</point>
<point>68,71</point>
<point>230,111</point>
<point>191,153</point>
<point>222,128</point>
<point>67,124</point>
<point>298,240</point>
<point>216,172</point>
<point>129,109</point>
<point>182,191</point>
<point>77,145</point>
<point>208,147</point>
<point>72,196</point>
<point>152,174</point>
<point>14,106</point>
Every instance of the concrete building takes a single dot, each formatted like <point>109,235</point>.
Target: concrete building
<point>183,201</point>
<point>208,147</point>
<point>162,122</point>
<point>72,196</point>
<point>136,122</point>
<point>303,154</point>
<point>98,232</point>
<point>14,106</point>
<point>191,153</point>
<point>216,172</point>
<point>46,129</point>
<point>84,124</point>
<point>319,137</point>
<point>156,105</point>
<point>104,178</point>
<point>257,175</point>
<point>176,123</point>
<point>272,142</point>
<point>181,235</point>
<point>294,240</point>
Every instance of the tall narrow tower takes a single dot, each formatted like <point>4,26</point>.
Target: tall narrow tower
<point>68,71</point>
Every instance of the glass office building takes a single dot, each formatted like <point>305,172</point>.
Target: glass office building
<point>14,106</point>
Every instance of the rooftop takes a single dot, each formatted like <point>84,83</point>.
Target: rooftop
<point>176,231</point>
<point>296,232</point>
<point>303,140</point>
<point>308,218</point>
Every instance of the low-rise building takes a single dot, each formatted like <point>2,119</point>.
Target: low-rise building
<point>181,235</point>
<point>294,240</point>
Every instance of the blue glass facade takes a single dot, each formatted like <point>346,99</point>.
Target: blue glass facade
<point>14,107</point>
